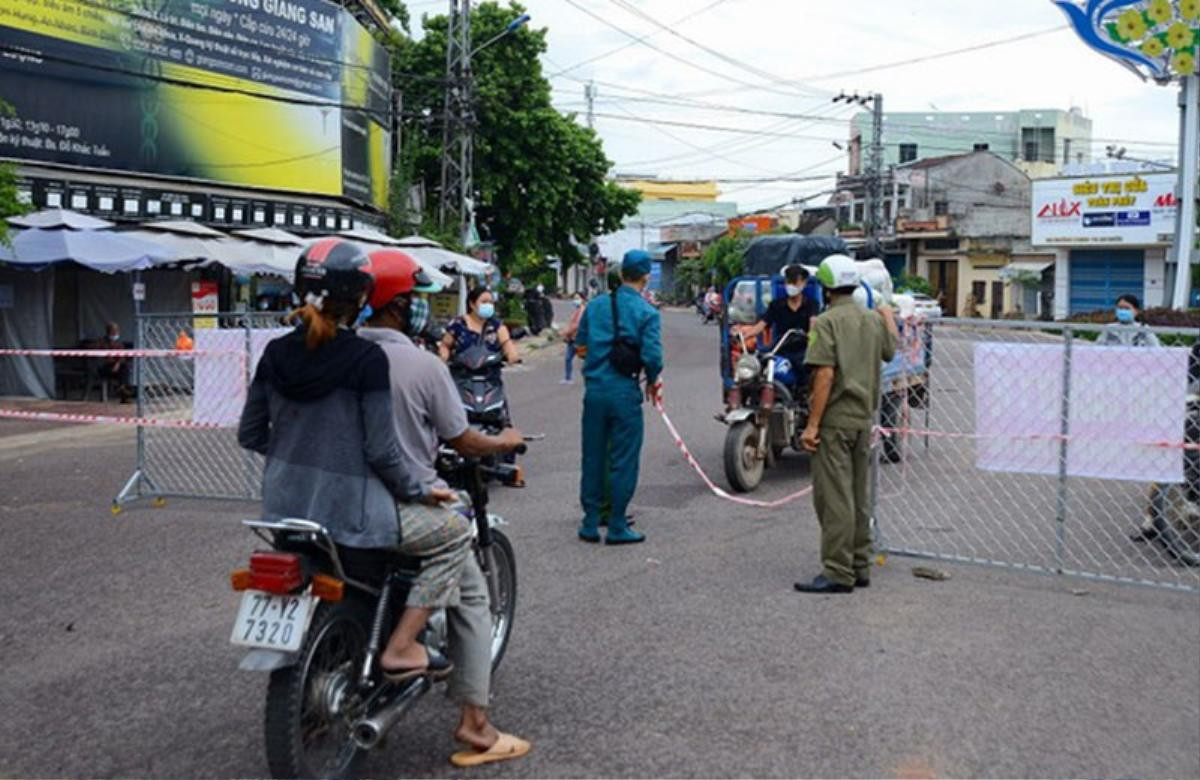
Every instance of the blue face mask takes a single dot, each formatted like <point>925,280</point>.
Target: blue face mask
<point>487,310</point>
<point>1125,316</point>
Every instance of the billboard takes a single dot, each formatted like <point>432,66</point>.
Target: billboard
<point>283,94</point>
<point>1127,209</point>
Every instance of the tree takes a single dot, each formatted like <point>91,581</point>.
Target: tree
<point>10,203</point>
<point>540,178</point>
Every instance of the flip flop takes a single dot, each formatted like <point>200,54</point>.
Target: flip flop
<point>506,747</point>
<point>438,668</point>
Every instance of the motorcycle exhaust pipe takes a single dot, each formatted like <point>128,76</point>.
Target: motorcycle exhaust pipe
<point>369,732</point>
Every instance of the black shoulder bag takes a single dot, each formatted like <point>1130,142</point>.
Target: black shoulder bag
<point>625,355</point>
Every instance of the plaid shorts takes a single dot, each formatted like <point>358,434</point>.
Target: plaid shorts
<point>441,538</point>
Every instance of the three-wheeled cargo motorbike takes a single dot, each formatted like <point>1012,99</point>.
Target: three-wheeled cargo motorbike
<point>765,396</point>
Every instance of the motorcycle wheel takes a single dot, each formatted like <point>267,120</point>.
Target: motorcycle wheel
<point>743,467</point>
<point>310,706</point>
<point>506,579</point>
<point>891,416</point>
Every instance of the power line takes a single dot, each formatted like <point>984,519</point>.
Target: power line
<point>676,57</point>
<point>146,16</point>
<point>906,62</point>
<point>636,41</point>
<point>938,55</point>
<point>753,70</point>
<point>19,52</point>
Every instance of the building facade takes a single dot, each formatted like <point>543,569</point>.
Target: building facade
<point>1039,141</point>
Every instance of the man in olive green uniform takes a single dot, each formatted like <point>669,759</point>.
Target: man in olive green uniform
<point>847,347</point>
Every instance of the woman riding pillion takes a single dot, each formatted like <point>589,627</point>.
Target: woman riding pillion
<point>320,410</point>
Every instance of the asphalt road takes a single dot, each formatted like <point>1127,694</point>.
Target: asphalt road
<point>687,656</point>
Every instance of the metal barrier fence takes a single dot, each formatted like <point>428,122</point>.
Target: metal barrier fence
<point>190,400</point>
<point>1035,446</point>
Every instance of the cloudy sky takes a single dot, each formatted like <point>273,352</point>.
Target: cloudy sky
<point>784,57</point>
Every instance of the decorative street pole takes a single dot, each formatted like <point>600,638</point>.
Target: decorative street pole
<point>1157,40</point>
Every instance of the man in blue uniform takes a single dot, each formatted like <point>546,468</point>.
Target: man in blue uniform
<point>614,357</point>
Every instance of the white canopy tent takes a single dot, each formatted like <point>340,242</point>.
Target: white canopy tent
<point>188,240</point>
<point>370,240</point>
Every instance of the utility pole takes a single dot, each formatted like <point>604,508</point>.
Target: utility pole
<point>458,149</point>
<point>589,94</point>
<point>1189,162</point>
<point>873,211</point>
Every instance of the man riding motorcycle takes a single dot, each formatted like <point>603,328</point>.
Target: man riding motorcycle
<point>427,408</point>
<point>793,313</point>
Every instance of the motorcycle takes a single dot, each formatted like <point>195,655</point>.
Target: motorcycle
<point>708,311</point>
<point>317,616</point>
<point>763,414</point>
<point>476,373</point>
<point>1175,508</point>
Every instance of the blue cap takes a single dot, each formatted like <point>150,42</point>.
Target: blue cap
<point>636,263</point>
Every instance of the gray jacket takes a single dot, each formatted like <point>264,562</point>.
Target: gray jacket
<point>323,419</point>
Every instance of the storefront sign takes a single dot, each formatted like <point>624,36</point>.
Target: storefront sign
<point>205,300</point>
<point>1133,210</point>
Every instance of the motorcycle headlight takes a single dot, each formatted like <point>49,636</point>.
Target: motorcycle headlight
<point>747,369</point>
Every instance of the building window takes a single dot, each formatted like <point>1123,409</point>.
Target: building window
<point>981,147</point>
<point>858,212</point>
<point>1066,151</point>
<point>1031,151</point>
<point>940,208</point>
<point>908,153</point>
<point>979,292</point>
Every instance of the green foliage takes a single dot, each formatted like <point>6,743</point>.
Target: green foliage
<point>723,259</point>
<point>10,205</point>
<point>911,283</point>
<point>398,11</point>
<point>540,177</point>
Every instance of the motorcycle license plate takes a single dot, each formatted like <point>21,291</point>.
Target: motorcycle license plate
<point>272,622</point>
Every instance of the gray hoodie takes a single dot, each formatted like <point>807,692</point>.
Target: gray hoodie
<point>323,419</point>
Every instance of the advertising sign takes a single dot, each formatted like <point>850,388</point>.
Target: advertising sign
<point>282,94</point>
<point>205,300</point>
<point>1133,210</point>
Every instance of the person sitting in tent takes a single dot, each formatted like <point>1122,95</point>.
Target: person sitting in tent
<point>115,369</point>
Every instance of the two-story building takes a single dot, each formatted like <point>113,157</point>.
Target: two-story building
<point>1039,141</point>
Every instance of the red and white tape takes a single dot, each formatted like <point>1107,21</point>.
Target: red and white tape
<point>118,353</point>
<point>716,489</point>
<point>1162,444</point>
<point>106,419</point>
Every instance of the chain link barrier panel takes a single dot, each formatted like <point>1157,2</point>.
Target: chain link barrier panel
<point>191,399</point>
<point>1040,446</point>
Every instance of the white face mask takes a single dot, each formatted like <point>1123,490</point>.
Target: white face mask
<point>792,292</point>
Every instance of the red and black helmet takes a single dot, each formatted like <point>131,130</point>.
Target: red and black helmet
<point>396,273</point>
<point>333,269</point>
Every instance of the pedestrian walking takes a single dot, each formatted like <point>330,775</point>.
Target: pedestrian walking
<point>619,339</point>
<point>847,347</point>
<point>569,332</point>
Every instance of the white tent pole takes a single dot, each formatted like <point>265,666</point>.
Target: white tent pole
<point>462,294</point>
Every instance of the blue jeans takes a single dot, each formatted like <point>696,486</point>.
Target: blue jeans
<point>570,361</point>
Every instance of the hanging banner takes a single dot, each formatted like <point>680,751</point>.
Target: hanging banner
<point>281,94</point>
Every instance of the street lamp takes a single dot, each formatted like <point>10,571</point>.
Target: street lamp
<point>509,29</point>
